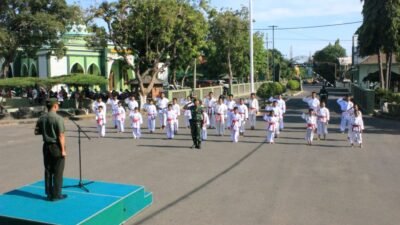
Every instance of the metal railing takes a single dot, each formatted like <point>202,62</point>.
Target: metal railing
<point>364,97</point>
<point>237,90</point>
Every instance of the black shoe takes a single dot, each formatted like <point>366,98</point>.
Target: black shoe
<point>61,197</point>
<point>49,198</point>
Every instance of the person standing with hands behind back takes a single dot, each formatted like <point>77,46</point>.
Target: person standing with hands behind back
<point>51,127</point>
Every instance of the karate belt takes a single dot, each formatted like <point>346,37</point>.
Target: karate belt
<point>310,125</point>
<point>271,126</point>
<point>100,121</point>
<point>356,128</point>
<point>218,117</point>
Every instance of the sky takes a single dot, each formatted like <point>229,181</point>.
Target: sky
<point>296,13</point>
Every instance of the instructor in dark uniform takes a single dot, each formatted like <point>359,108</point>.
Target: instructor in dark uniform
<point>196,121</point>
<point>51,127</point>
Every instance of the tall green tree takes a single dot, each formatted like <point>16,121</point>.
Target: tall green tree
<point>379,33</point>
<point>326,60</point>
<point>31,24</point>
<point>157,31</point>
<point>229,34</point>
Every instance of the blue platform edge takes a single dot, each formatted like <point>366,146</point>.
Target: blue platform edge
<point>105,203</point>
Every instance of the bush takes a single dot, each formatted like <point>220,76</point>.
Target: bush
<point>293,85</point>
<point>267,90</point>
<point>386,96</point>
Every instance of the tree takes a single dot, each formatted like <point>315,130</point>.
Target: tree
<point>31,24</point>
<point>326,60</point>
<point>229,34</point>
<point>155,32</point>
<point>379,33</point>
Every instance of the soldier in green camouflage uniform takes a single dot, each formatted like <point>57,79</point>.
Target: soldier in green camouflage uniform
<point>196,122</point>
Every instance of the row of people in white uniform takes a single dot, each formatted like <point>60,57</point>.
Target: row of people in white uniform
<point>318,118</point>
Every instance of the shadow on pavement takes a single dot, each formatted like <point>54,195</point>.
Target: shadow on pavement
<point>200,187</point>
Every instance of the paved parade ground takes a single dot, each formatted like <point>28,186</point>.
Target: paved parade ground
<point>247,183</point>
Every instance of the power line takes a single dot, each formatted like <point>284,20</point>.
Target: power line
<point>311,27</point>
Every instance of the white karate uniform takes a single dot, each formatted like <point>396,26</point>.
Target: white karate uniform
<point>311,122</point>
<point>323,116</point>
<point>132,105</point>
<point>187,115</point>
<point>230,105</point>
<point>171,116</point>
<point>313,103</point>
<point>121,115</point>
<point>206,123</point>
<point>279,115</point>
<point>101,123</point>
<point>272,122</point>
<point>136,122</point>
<point>151,117</point>
<point>177,110</point>
<point>162,105</point>
<point>220,115</point>
<point>345,107</point>
<point>357,126</point>
<point>244,113</point>
<point>282,105</point>
<point>96,105</point>
<point>209,104</point>
<point>253,110</point>
<point>114,110</point>
<point>235,120</point>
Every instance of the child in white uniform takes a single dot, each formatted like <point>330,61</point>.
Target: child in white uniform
<point>220,115</point>
<point>235,120</point>
<point>101,121</point>
<point>311,121</point>
<point>136,122</point>
<point>187,114</point>
<point>272,122</point>
<point>357,127</point>
<point>114,110</point>
<point>206,123</point>
<point>177,109</point>
<point>244,113</point>
<point>170,117</point>
<point>253,110</point>
<point>121,115</point>
<point>323,116</point>
<point>162,105</point>
<point>151,116</point>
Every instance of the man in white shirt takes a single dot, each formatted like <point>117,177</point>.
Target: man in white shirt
<point>244,114</point>
<point>113,101</point>
<point>253,110</point>
<point>313,102</point>
<point>345,106</point>
<point>209,103</point>
<point>162,105</point>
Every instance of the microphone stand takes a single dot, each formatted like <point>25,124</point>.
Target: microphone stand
<point>80,185</point>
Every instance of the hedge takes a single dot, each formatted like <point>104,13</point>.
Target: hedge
<point>74,79</point>
<point>267,90</point>
<point>293,85</point>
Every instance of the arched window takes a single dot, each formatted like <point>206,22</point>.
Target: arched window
<point>25,71</point>
<point>94,69</point>
<point>33,71</point>
<point>77,68</point>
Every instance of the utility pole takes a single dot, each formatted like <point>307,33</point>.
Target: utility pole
<point>266,41</point>
<point>251,48</point>
<point>195,74</point>
<point>273,52</point>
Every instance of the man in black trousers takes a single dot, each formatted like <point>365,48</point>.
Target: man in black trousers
<point>51,127</point>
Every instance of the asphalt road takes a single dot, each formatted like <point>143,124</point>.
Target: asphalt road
<point>248,183</point>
